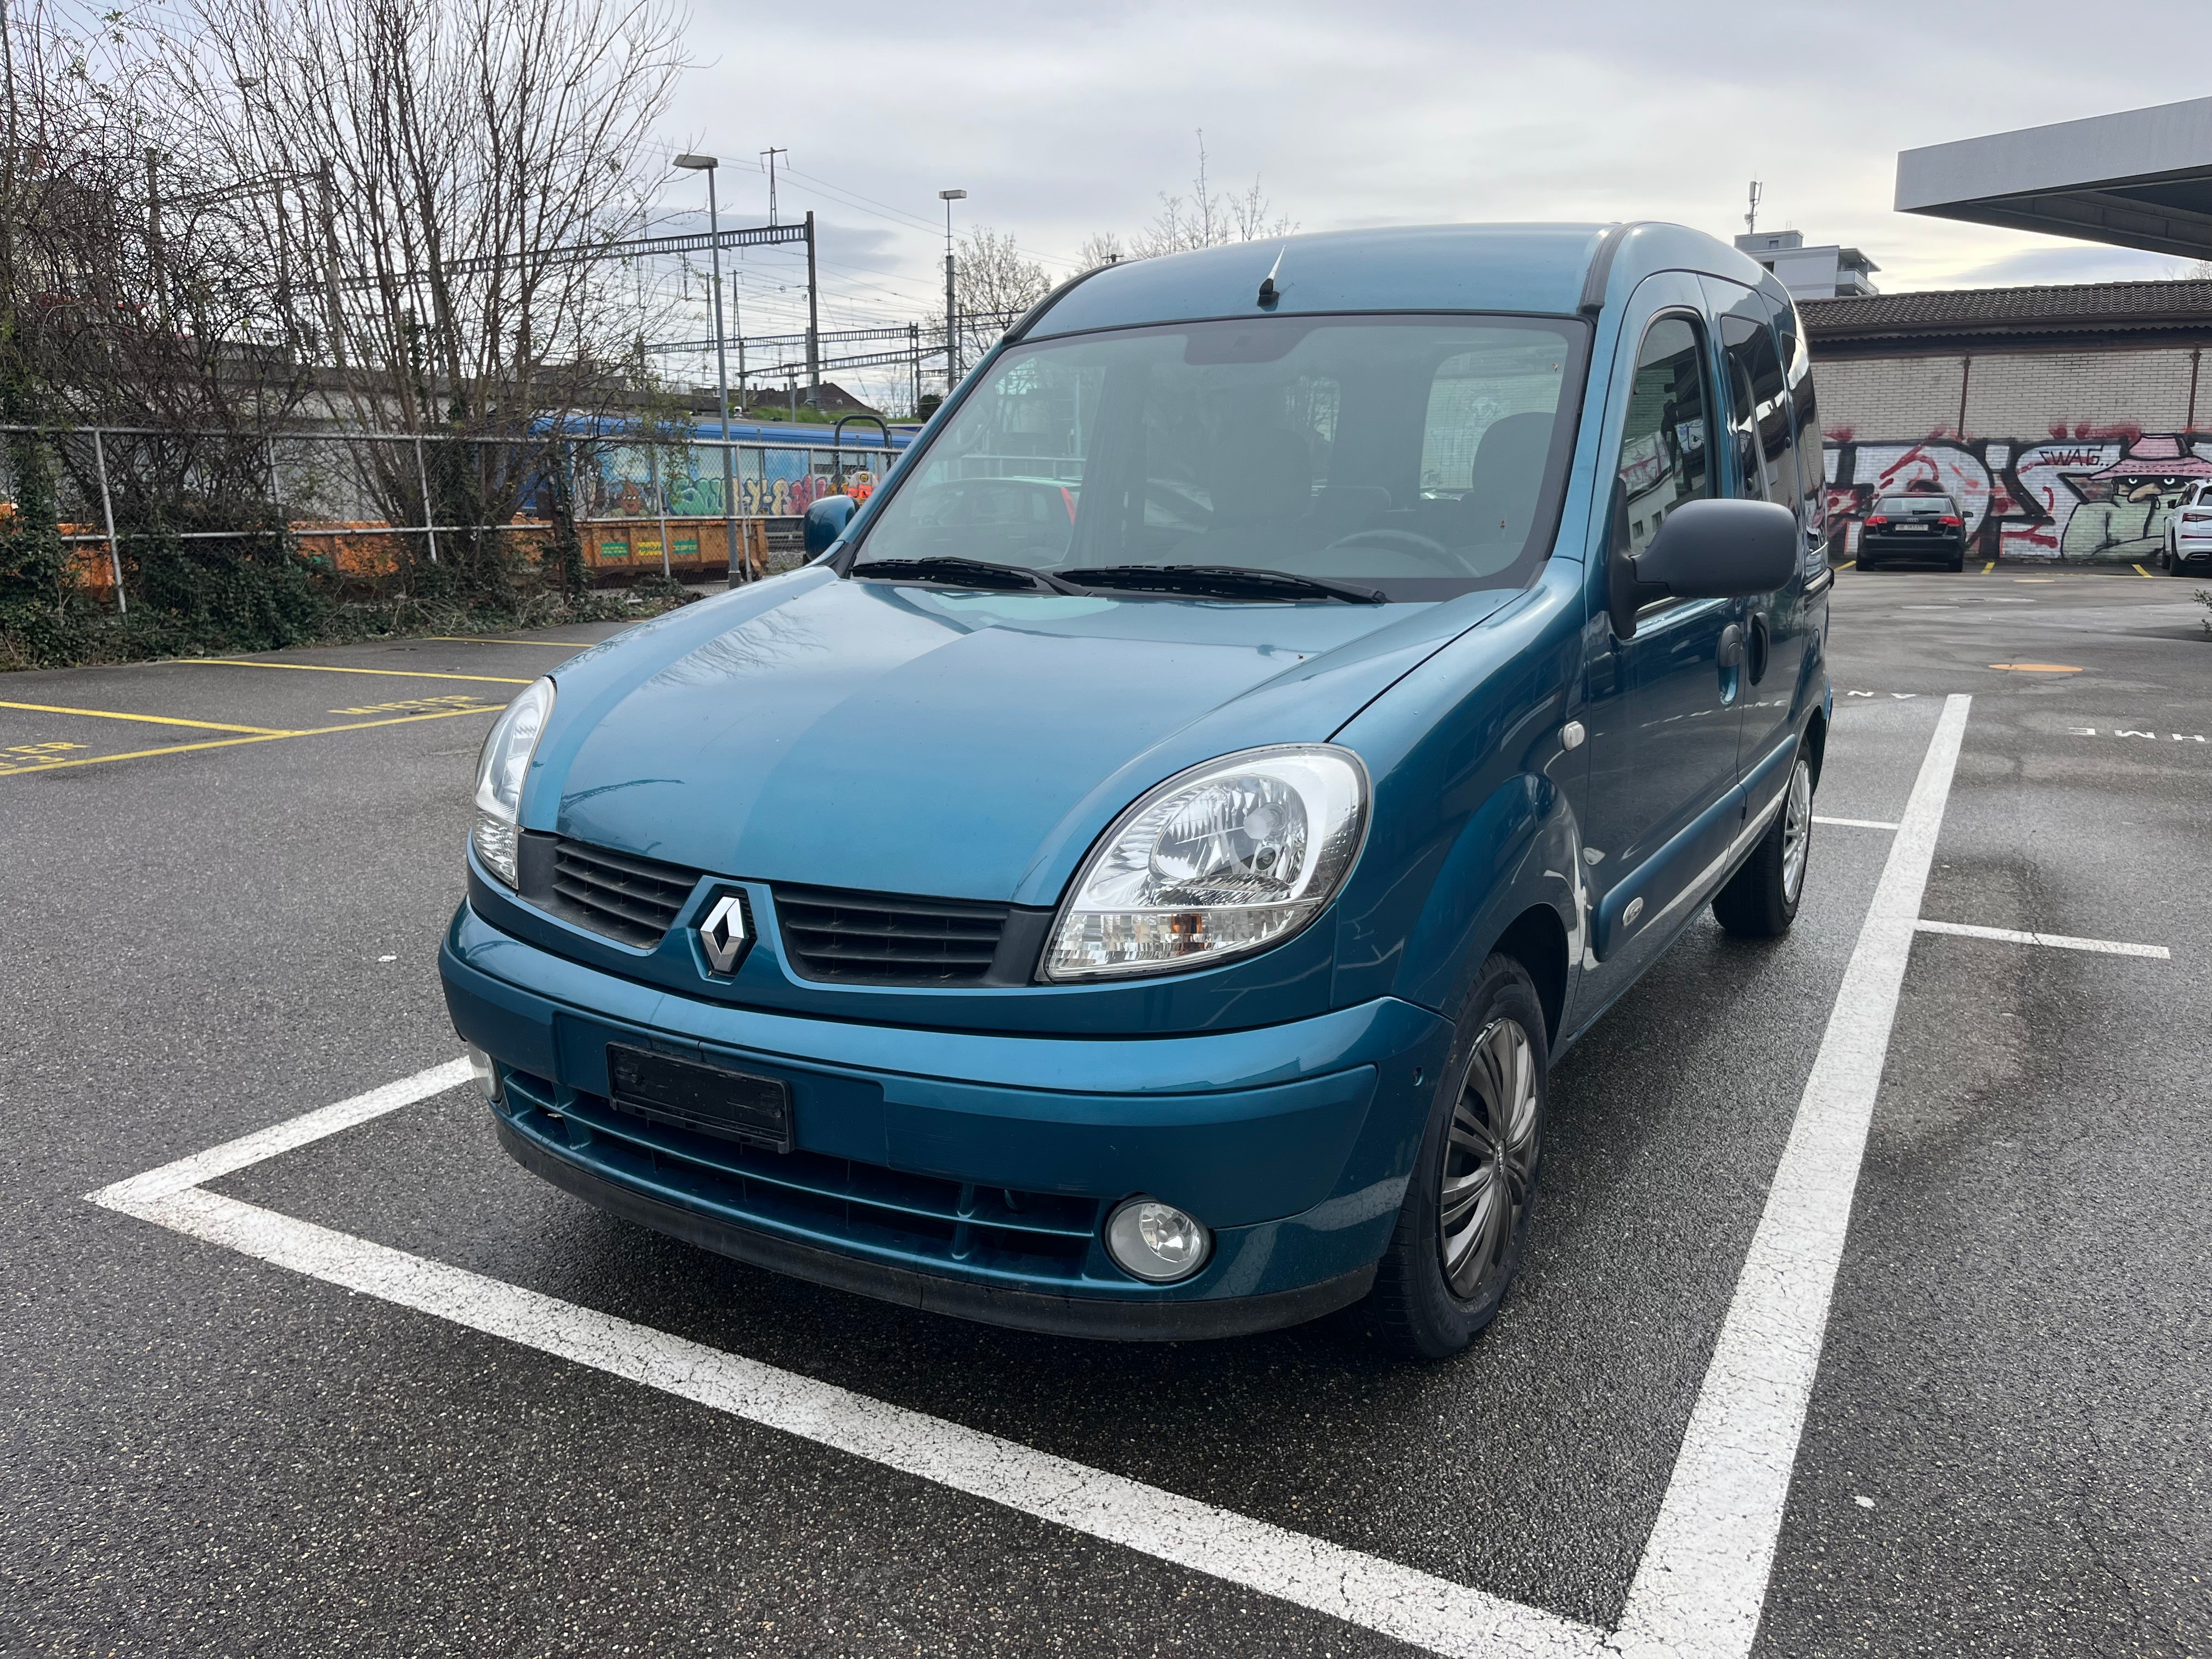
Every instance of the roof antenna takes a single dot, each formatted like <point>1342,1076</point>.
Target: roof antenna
<point>1751,219</point>
<point>1268,292</point>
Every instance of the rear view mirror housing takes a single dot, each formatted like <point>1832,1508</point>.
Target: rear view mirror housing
<point>1706,550</point>
<point>826,520</point>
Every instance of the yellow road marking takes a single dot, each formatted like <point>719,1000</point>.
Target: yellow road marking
<point>1991,566</point>
<point>2144,574</point>
<point>2037,667</point>
<point>1847,564</point>
<point>486,639</point>
<point>325,668</point>
<point>228,743</point>
<point>150,720</point>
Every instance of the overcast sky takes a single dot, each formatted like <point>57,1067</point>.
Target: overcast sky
<point>1060,120</point>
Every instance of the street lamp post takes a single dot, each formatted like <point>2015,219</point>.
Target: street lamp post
<point>738,562</point>
<point>952,309</point>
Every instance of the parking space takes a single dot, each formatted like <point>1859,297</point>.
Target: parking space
<point>449,1409</point>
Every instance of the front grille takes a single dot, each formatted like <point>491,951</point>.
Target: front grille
<point>627,898</point>
<point>887,938</point>
<point>835,1199</point>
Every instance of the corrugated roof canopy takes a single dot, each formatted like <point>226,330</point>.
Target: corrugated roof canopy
<point>2140,178</point>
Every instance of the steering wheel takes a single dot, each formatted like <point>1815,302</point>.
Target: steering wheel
<point>1404,541</point>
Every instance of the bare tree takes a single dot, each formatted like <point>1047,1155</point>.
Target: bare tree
<point>997,284</point>
<point>117,315</point>
<point>441,172</point>
<point>1207,220</point>
<point>1101,248</point>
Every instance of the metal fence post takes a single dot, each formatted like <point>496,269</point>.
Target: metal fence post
<point>660,506</point>
<point>276,495</point>
<point>107,510</point>
<point>429,512</point>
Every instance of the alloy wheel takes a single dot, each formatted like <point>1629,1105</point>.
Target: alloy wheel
<point>1490,1159</point>
<point>1797,830</point>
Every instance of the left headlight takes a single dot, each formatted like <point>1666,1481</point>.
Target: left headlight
<point>1228,858</point>
<point>506,757</point>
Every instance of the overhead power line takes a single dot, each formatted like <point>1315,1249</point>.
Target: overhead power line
<point>637,247</point>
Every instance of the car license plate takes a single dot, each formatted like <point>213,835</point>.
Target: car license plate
<point>734,1105</point>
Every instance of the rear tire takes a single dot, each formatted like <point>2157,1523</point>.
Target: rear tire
<point>1465,1218</point>
<point>1760,900</point>
<point>1958,563</point>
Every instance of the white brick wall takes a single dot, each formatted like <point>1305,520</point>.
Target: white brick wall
<point>2020,396</point>
<point>1887,399</point>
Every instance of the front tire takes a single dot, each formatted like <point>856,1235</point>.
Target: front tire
<point>1465,1218</point>
<point>1760,900</point>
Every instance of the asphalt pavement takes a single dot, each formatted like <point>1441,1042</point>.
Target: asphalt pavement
<point>223,889</point>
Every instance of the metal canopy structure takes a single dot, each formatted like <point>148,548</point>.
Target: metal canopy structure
<point>2141,179</point>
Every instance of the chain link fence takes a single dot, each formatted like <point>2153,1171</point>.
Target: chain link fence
<point>363,507</point>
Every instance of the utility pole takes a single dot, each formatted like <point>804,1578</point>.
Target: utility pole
<point>154,255</point>
<point>770,156</point>
<point>813,321</point>
<point>707,165</point>
<point>1751,219</point>
<point>951,297</point>
<point>327,202</point>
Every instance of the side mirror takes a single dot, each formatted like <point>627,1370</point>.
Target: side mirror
<point>826,520</point>
<point>1707,549</point>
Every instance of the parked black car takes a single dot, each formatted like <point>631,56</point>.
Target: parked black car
<point>1918,526</point>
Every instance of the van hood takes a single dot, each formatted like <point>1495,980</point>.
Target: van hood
<point>863,735</point>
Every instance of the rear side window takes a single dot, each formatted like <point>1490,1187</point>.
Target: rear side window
<point>1762,408</point>
<point>1665,458</point>
<point>1805,431</point>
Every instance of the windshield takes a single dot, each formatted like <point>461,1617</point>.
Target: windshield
<point>1900,505</point>
<point>1419,457</point>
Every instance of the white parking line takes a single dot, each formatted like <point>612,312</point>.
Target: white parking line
<point>1382,1595</point>
<point>2064,942</point>
<point>1855,824</point>
<point>1701,1582</point>
<point>1703,1578</point>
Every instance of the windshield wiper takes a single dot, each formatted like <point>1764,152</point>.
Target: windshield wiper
<point>1225,581</point>
<point>966,573</point>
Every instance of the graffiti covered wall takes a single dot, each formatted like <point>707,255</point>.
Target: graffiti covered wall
<point>2093,496</point>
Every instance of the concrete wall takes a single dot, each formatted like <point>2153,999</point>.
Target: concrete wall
<point>2063,454</point>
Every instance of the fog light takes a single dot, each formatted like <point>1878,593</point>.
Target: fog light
<point>481,1069</point>
<point>1156,1242</point>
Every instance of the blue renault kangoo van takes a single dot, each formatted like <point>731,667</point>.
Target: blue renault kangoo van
<point>1134,881</point>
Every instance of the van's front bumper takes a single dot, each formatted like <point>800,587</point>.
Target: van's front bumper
<point>971,1174</point>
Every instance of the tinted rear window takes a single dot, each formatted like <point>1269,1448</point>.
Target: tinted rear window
<point>1932,504</point>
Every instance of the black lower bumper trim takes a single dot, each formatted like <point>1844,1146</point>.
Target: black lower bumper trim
<point>1099,1317</point>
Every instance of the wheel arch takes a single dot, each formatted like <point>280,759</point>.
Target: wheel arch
<point>1816,743</point>
<point>1537,939</point>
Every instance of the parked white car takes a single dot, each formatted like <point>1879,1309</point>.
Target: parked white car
<point>2189,532</point>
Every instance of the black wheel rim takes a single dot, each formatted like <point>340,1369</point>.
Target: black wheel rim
<point>1489,1160</point>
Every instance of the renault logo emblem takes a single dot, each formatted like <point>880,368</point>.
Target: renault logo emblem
<point>724,933</point>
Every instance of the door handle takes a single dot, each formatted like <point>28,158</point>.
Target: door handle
<point>1762,649</point>
<point>1731,651</point>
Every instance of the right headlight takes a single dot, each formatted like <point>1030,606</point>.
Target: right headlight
<point>500,769</point>
<point>1228,858</point>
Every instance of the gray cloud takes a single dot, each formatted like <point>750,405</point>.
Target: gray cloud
<point>1060,121</point>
